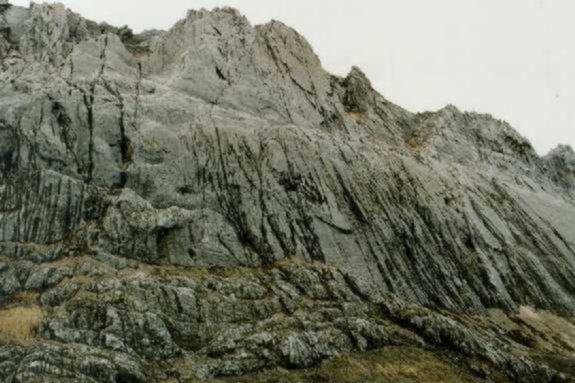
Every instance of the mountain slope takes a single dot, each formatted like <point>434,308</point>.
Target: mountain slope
<point>137,171</point>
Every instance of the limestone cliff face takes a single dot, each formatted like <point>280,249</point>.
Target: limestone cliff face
<point>221,144</point>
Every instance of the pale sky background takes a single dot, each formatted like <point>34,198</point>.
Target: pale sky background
<point>514,59</point>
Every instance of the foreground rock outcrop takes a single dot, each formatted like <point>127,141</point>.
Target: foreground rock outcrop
<point>208,202</point>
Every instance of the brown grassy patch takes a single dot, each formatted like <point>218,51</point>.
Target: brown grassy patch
<point>19,324</point>
<point>25,298</point>
<point>356,116</point>
<point>390,365</point>
<point>71,262</point>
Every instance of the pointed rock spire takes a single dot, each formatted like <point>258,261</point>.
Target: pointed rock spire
<point>359,94</point>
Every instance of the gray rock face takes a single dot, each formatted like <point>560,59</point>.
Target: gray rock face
<point>221,144</point>
<point>561,162</point>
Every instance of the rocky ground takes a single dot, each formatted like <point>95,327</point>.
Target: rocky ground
<point>92,319</point>
<point>207,203</point>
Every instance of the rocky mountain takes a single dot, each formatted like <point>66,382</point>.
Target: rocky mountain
<point>209,203</point>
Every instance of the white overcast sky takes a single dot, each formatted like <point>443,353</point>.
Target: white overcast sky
<point>514,59</point>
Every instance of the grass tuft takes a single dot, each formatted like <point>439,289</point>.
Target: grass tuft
<point>19,324</point>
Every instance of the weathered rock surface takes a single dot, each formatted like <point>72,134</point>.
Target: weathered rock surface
<point>157,189</point>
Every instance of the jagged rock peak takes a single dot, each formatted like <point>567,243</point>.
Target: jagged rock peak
<point>194,14</point>
<point>359,94</point>
<point>565,151</point>
<point>561,161</point>
<point>450,109</point>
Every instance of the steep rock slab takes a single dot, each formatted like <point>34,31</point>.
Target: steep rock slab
<point>265,156</point>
